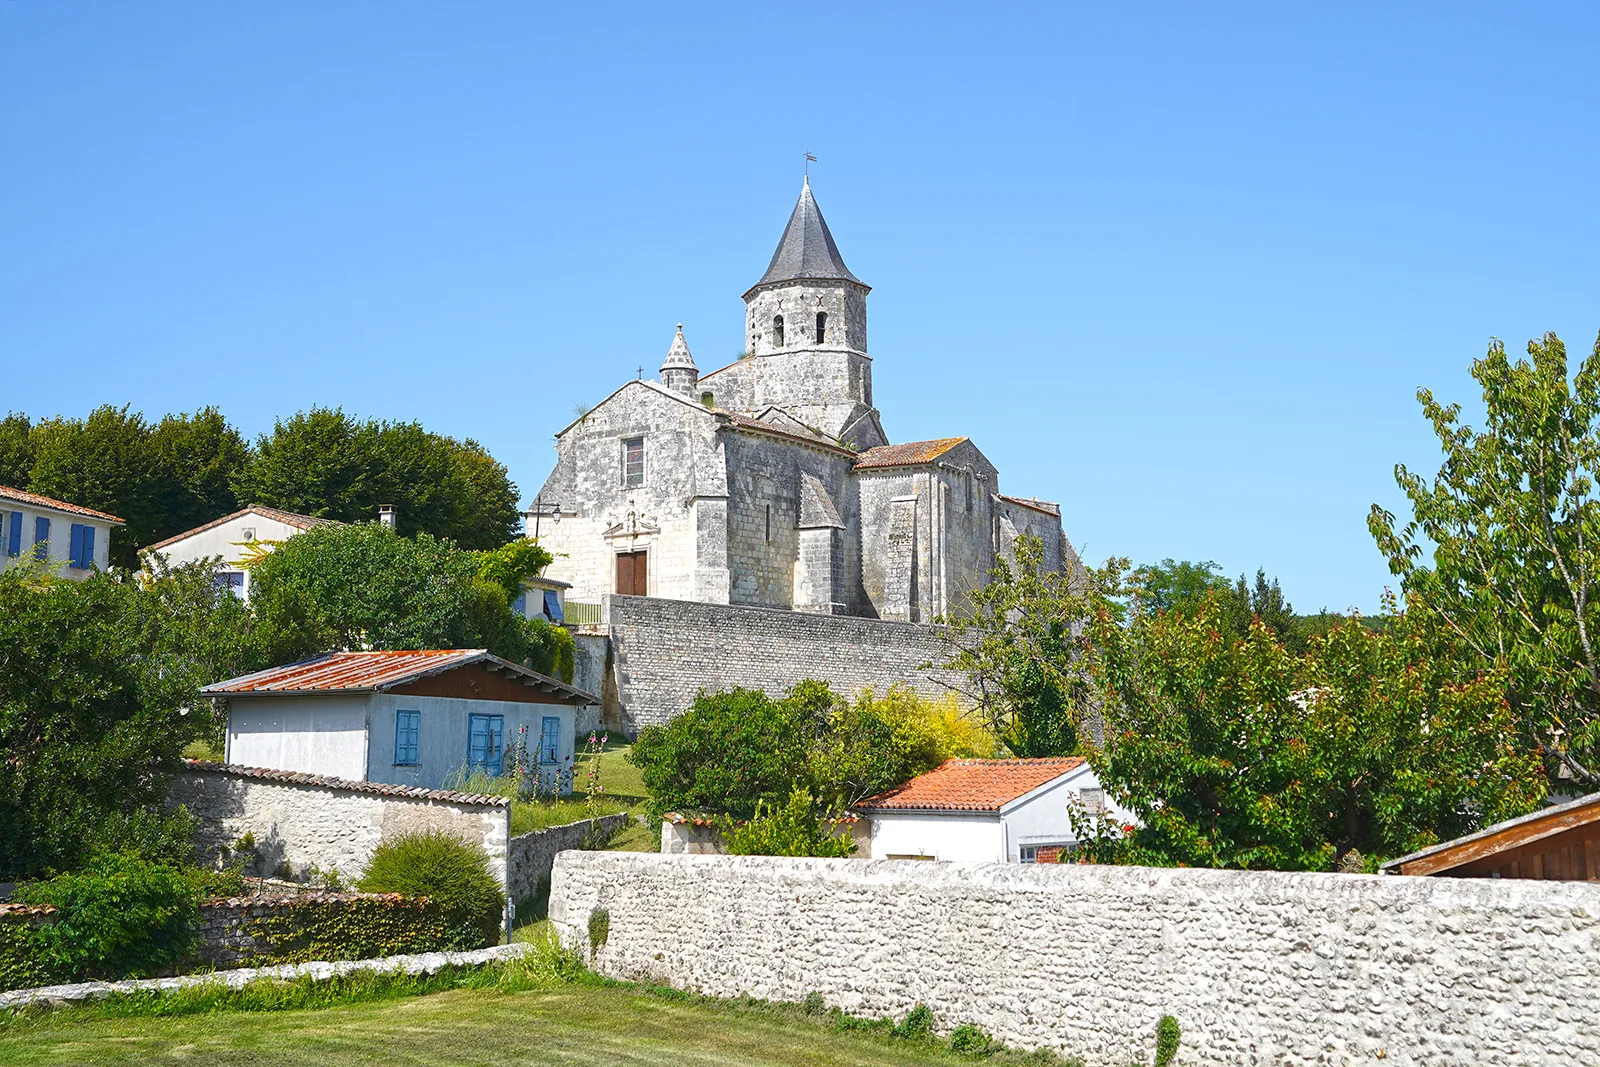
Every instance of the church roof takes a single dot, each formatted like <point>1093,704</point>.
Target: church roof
<point>807,249</point>
<point>907,453</point>
<point>678,355</point>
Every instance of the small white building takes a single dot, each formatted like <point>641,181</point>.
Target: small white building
<point>406,717</point>
<point>72,540</point>
<point>234,539</point>
<point>986,811</point>
<point>542,598</point>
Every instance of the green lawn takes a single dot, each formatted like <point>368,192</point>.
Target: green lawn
<point>572,1024</point>
<point>618,777</point>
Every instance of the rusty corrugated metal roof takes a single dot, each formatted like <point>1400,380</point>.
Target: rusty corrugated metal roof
<point>907,453</point>
<point>370,672</point>
<point>22,496</point>
<point>972,784</point>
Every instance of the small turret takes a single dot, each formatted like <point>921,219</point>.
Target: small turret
<point>678,371</point>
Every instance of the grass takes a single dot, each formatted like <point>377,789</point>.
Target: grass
<point>544,1009</point>
<point>618,777</point>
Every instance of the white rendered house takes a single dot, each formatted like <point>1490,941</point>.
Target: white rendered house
<point>987,811</point>
<point>234,539</point>
<point>71,540</point>
<point>403,717</point>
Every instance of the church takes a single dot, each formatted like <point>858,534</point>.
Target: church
<point>771,482</point>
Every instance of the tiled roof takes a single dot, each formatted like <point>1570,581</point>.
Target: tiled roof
<point>304,522</point>
<point>368,672</point>
<point>21,496</point>
<point>1038,505</point>
<point>972,784</point>
<point>907,453</point>
<point>806,249</point>
<point>328,781</point>
<point>10,911</point>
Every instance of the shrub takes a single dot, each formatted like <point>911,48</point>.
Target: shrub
<point>24,959</point>
<point>813,1004</point>
<point>970,1040</point>
<point>449,871</point>
<point>121,917</point>
<point>1168,1036</point>
<point>550,649</point>
<point>917,1025</point>
<point>599,930</point>
<point>796,829</point>
<point>360,929</point>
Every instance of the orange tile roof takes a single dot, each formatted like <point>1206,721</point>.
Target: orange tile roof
<point>907,453</point>
<point>367,672</point>
<point>972,784</point>
<point>289,518</point>
<point>23,497</point>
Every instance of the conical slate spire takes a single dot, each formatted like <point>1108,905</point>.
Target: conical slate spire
<point>678,370</point>
<point>807,249</point>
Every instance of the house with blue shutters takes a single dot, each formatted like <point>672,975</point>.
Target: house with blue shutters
<point>424,718</point>
<point>71,540</point>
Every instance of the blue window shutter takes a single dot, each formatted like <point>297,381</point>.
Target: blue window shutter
<point>88,547</point>
<point>14,541</point>
<point>550,739</point>
<point>552,605</point>
<point>407,735</point>
<point>41,537</point>
<point>520,605</point>
<point>75,545</point>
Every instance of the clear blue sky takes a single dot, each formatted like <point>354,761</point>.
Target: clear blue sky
<point>1181,271</point>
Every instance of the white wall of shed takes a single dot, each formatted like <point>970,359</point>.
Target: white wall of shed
<point>969,837</point>
<point>314,735</point>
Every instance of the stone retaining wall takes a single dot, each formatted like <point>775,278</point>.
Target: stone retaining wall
<point>231,931</point>
<point>666,651</point>
<point>531,855</point>
<point>1259,968</point>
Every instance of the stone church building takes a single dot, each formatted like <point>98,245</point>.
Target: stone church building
<point>772,483</point>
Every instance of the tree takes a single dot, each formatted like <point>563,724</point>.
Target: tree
<point>1021,648</point>
<point>1514,524</point>
<point>102,462</point>
<point>365,586</point>
<point>196,459</point>
<point>16,450</point>
<point>98,696</point>
<point>325,463</point>
<point>1183,586</point>
<point>1237,753</point>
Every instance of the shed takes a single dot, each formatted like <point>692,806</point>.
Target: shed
<point>1559,843</point>
<point>986,811</point>
<point>425,718</point>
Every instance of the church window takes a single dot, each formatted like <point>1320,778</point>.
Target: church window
<point>633,461</point>
<point>769,522</point>
<point>968,480</point>
<point>822,327</point>
<point>777,331</point>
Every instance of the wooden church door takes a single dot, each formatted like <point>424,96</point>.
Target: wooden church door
<point>633,573</point>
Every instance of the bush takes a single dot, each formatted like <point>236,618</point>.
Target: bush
<point>1168,1036</point>
<point>550,649</point>
<point>917,1025</point>
<point>452,873</point>
<point>970,1040</point>
<point>24,959</point>
<point>360,929</point>
<point>796,829</point>
<point>121,917</point>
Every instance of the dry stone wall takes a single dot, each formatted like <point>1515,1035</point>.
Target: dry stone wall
<point>1259,968</point>
<point>531,855</point>
<point>666,651</point>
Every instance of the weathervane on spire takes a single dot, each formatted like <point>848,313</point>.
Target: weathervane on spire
<point>810,159</point>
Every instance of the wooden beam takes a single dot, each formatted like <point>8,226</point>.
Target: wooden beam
<point>1511,837</point>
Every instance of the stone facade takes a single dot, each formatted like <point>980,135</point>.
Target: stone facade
<point>230,932</point>
<point>771,483</point>
<point>530,856</point>
<point>1258,967</point>
<point>328,823</point>
<point>665,651</point>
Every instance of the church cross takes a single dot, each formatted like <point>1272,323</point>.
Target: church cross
<point>641,373</point>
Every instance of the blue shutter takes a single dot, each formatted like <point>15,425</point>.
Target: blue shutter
<point>14,544</point>
<point>88,547</point>
<point>41,537</point>
<point>552,605</point>
<point>483,742</point>
<point>550,739</point>
<point>520,605</point>
<point>407,731</point>
<point>75,545</point>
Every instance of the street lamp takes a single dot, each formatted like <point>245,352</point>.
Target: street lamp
<point>538,511</point>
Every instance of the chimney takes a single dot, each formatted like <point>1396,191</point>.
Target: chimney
<point>388,515</point>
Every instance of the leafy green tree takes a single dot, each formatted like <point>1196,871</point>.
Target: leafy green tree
<point>98,696</point>
<point>365,586</point>
<point>1513,524</point>
<point>16,450</point>
<point>1021,648</point>
<point>196,459</point>
<point>1183,586</point>
<point>513,561</point>
<point>1177,585</point>
<point>102,462</point>
<point>798,827</point>
<point>1237,753</point>
<point>326,463</point>
<point>875,744</point>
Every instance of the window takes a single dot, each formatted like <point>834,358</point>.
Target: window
<point>1041,853</point>
<point>777,331</point>
<point>407,734</point>
<point>633,461</point>
<point>41,537</point>
<point>550,739</point>
<point>552,605</point>
<point>1030,854</point>
<point>769,522</point>
<point>708,398</point>
<point>80,546</point>
<point>822,327</point>
<point>14,534</point>
<point>483,742</point>
<point>229,582</point>
<point>967,480</point>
